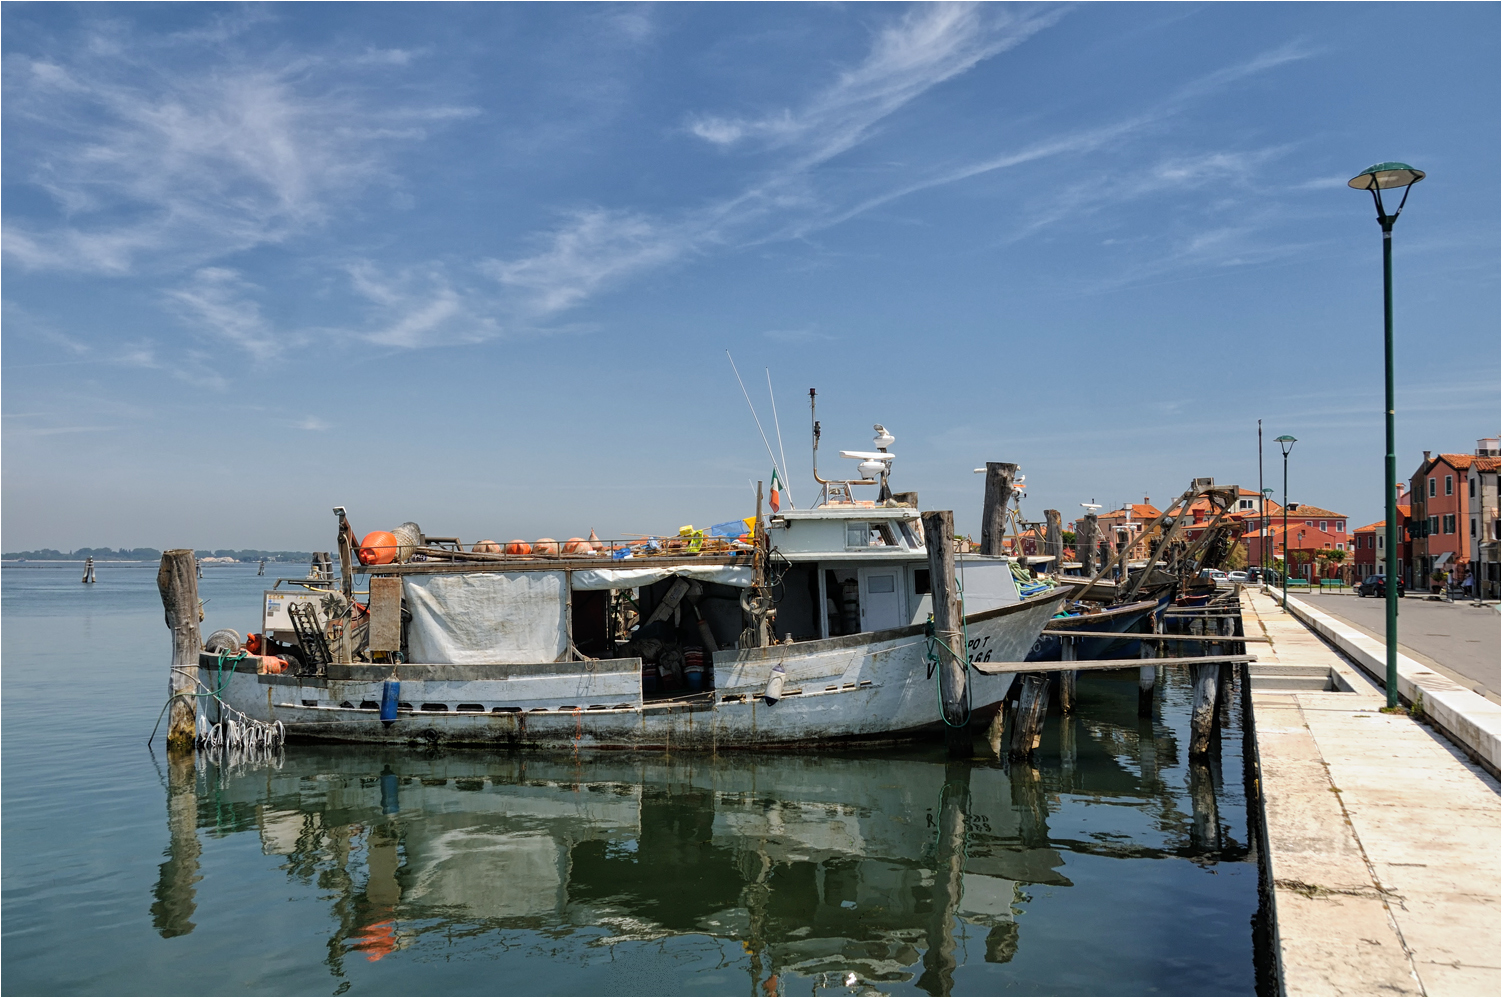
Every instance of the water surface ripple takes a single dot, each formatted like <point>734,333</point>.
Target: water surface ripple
<point>1110,865</point>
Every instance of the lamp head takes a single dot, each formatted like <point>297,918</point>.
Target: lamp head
<point>1286,442</point>
<point>1385,176</point>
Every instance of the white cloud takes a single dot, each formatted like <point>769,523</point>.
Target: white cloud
<point>178,158</point>
<point>928,45</point>
<point>221,303</point>
<point>593,248</point>
<point>420,307</point>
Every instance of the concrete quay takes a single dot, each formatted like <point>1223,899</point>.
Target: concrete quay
<point>1382,840</point>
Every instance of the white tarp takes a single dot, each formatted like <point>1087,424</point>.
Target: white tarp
<point>486,617</point>
<point>635,578</point>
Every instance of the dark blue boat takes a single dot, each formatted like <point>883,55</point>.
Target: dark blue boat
<point>1117,627</point>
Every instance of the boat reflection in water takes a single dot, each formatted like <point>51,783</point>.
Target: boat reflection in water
<point>829,871</point>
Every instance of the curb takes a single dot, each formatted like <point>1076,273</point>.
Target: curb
<point>1468,719</point>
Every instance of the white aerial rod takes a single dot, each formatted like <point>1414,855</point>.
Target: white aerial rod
<point>778,424</point>
<point>763,433</point>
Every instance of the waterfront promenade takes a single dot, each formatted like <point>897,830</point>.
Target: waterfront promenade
<point>1382,839</point>
<point>1458,640</point>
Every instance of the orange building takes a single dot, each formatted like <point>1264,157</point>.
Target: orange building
<point>1441,541</point>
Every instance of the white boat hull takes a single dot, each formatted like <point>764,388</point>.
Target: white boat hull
<point>860,688</point>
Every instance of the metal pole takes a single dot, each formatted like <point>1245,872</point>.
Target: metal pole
<point>1261,507</point>
<point>1390,588</point>
<point>1287,555</point>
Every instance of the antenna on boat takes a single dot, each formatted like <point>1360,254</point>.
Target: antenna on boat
<point>813,412</point>
<point>786,485</point>
<point>781,474</point>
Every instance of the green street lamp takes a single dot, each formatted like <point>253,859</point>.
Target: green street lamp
<point>1286,442</point>
<point>1267,494</point>
<point>1379,178</point>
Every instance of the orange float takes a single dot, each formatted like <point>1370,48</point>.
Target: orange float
<point>518,547</point>
<point>486,547</point>
<point>576,545</point>
<point>545,546</point>
<point>378,548</point>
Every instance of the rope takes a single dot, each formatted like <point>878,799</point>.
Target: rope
<point>267,737</point>
<point>934,662</point>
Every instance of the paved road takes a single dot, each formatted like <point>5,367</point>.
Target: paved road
<point>1457,639</point>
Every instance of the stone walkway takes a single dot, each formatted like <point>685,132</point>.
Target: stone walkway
<point>1384,843</point>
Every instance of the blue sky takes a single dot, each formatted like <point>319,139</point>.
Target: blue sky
<point>478,266</point>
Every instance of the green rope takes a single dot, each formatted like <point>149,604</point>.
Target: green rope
<point>219,679</point>
<point>934,662</point>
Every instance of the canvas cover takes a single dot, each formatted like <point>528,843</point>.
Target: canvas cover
<point>486,617</point>
<point>634,578</point>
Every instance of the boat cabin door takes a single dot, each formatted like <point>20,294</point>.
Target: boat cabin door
<point>881,598</point>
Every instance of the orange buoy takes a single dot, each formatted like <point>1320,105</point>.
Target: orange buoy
<point>518,547</point>
<point>545,546</point>
<point>378,548</point>
<point>486,547</point>
<point>272,665</point>
<point>577,545</point>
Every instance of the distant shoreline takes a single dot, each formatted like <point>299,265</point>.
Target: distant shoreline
<point>148,555</point>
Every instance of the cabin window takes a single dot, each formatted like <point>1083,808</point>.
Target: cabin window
<point>910,534</point>
<point>921,586</point>
<point>882,583</point>
<point>856,535</point>
<point>882,535</point>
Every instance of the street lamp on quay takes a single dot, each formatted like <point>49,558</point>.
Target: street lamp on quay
<point>1267,494</point>
<point>1379,178</point>
<point>1286,442</point>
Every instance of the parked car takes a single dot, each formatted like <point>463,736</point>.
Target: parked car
<point>1376,585</point>
<point>1240,577</point>
<point>1267,575</point>
<point>1212,575</point>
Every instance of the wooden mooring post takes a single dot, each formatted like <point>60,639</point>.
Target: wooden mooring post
<point>1206,680</point>
<point>1068,652</point>
<point>177,580</point>
<point>1053,538</point>
<point>1147,675</point>
<point>1028,715</point>
<point>949,639</point>
<point>88,571</point>
<point>993,526</point>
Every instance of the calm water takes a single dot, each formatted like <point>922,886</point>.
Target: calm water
<point>1112,867</point>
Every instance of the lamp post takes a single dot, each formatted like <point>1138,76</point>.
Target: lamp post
<point>1261,502</point>
<point>1378,178</point>
<point>1286,442</point>
<point>1267,494</point>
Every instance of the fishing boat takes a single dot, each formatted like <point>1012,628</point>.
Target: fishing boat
<point>794,627</point>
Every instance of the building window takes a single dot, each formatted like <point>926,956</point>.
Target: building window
<point>1431,487</point>
<point>1324,525</point>
<point>1473,526</point>
<point>1339,546</point>
<point>1308,523</point>
<point>1449,485</point>
<point>1340,526</point>
<point>1433,524</point>
<point>1449,523</point>
<point>1473,488</point>
<point>1380,540</point>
